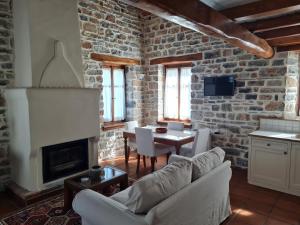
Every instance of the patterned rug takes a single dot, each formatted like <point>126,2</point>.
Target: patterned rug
<point>49,212</point>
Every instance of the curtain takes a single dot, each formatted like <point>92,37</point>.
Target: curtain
<point>185,93</point>
<point>107,98</point>
<point>171,94</point>
<point>119,94</point>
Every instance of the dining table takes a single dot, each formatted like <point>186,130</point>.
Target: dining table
<point>171,137</point>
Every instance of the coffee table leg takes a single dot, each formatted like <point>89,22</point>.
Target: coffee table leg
<point>124,184</point>
<point>126,150</point>
<point>68,197</point>
<point>178,147</point>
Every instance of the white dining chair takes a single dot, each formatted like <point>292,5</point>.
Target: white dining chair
<point>201,143</point>
<point>147,147</point>
<point>176,126</point>
<point>131,143</point>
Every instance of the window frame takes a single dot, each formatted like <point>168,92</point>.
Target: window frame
<point>115,123</point>
<point>179,66</point>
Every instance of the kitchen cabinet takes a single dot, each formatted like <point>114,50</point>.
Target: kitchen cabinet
<point>295,167</point>
<point>275,164</point>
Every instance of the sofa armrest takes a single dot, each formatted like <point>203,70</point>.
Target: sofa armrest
<point>97,209</point>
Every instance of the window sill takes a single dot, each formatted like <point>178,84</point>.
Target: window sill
<point>112,125</point>
<point>164,122</point>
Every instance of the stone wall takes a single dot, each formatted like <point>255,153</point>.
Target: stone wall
<point>113,28</point>
<point>163,39</point>
<point>6,80</point>
<point>260,92</point>
<point>261,84</point>
<point>292,86</point>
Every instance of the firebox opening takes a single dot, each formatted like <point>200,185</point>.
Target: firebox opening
<point>65,159</point>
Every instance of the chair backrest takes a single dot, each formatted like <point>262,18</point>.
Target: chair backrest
<point>201,141</point>
<point>176,126</point>
<point>130,125</point>
<point>145,141</point>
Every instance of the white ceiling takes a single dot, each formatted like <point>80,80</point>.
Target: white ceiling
<point>224,4</point>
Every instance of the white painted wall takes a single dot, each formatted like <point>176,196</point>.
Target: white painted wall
<point>38,25</point>
<point>22,43</point>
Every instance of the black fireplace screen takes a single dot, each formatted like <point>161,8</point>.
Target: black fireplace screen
<point>64,159</point>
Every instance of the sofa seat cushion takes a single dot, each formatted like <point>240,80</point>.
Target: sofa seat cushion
<point>202,162</point>
<point>156,187</point>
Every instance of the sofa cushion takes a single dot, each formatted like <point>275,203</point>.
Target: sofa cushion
<point>205,162</point>
<point>154,188</point>
<point>202,162</point>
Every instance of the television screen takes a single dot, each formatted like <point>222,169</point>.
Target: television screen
<point>219,86</point>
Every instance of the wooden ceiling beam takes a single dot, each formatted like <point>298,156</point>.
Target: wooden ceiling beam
<point>280,33</point>
<point>288,48</point>
<point>273,23</point>
<point>284,41</point>
<point>197,16</point>
<point>261,8</point>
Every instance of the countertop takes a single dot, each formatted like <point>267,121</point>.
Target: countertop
<point>276,135</point>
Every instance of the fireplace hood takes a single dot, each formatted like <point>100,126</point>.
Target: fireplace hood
<point>47,116</point>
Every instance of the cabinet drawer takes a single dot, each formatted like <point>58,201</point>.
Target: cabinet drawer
<point>270,144</point>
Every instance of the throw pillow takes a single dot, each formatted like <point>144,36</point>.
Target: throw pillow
<point>156,187</point>
<point>205,162</point>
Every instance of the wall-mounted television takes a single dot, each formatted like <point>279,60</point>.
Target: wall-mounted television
<point>219,86</point>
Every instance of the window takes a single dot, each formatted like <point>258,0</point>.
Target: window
<point>177,99</point>
<point>114,94</point>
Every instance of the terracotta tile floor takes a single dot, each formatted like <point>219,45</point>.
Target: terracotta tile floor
<point>251,205</point>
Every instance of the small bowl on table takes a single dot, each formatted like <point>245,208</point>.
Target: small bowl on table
<point>161,130</point>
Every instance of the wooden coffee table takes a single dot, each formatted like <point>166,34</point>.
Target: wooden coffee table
<point>111,176</point>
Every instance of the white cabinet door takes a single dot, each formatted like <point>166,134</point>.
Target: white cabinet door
<point>270,166</point>
<point>295,168</point>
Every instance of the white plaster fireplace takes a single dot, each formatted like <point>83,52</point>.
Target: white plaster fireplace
<point>49,105</point>
<point>40,117</point>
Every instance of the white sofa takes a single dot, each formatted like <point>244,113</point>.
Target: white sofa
<point>205,201</point>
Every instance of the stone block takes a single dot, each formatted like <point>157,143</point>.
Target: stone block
<point>90,27</point>
<point>256,83</point>
<point>272,72</point>
<point>255,108</point>
<point>278,62</point>
<point>243,117</point>
<point>230,65</point>
<point>212,54</point>
<point>275,106</point>
<point>274,83</point>
<point>245,90</point>
<point>215,107</point>
<point>259,63</point>
<point>226,107</point>
<point>251,96</point>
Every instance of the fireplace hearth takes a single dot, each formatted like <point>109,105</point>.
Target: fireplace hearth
<point>62,160</point>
